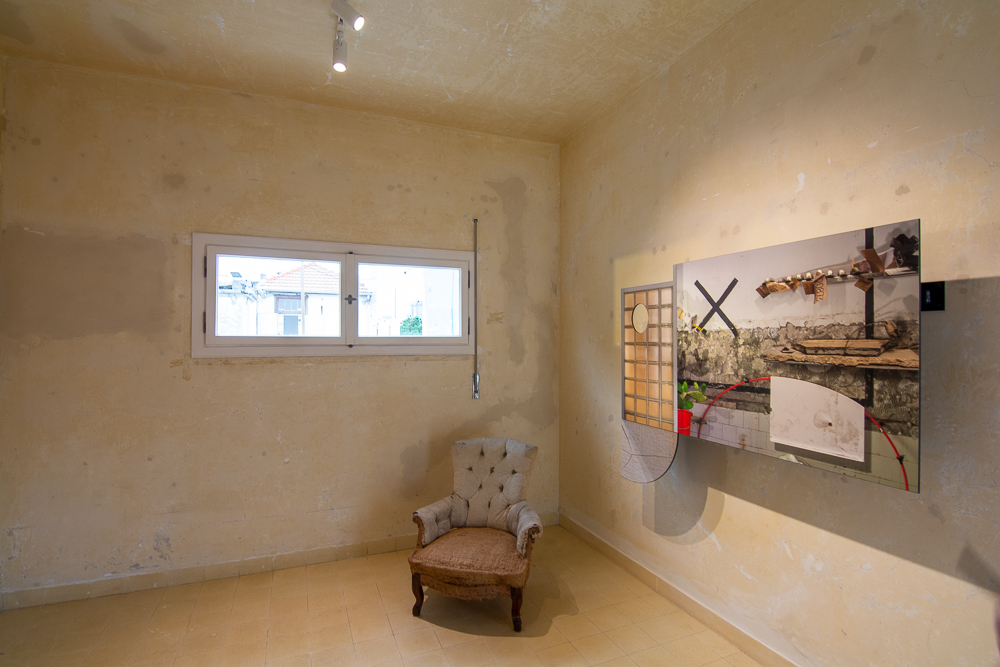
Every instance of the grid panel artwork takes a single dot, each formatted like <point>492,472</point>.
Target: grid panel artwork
<point>647,369</point>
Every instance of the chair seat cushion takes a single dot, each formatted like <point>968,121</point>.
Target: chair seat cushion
<point>472,557</point>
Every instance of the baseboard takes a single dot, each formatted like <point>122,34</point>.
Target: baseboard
<point>117,585</point>
<point>705,616</point>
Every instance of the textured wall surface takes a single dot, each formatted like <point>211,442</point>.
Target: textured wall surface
<point>796,120</point>
<point>118,452</point>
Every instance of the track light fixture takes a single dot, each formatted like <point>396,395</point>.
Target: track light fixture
<point>349,14</point>
<point>339,48</point>
<point>345,13</point>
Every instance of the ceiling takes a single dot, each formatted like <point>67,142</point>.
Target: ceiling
<point>536,69</point>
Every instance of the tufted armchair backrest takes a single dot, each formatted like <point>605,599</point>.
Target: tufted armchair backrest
<point>491,475</point>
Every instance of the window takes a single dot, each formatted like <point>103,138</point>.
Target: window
<point>256,297</point>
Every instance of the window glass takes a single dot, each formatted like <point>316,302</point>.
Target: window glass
<point>263,296</point>
<point>396,300</point>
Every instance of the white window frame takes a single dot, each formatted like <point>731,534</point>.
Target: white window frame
<point>205,344</point>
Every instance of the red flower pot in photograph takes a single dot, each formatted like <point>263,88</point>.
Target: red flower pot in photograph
<point>684,421</point>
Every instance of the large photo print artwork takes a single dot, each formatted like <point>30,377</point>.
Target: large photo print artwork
<point>808,352</point>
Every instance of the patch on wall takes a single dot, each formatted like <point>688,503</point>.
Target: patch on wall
<point>61,287</point>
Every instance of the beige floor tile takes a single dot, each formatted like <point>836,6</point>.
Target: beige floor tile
<point>716,643</point>
<point>71,659</point>
<point>414,643</point>
<point>248,632</point>
<point>209,617</point>
<point>301,660</point>
<point>203,659</point>
<point>637,610</point>
<point>607,618</point>
<point>372,627</point>
<point>292,575</point>
<point>74,642</point>
<point>623,661</point>
<point>684,620</point>
<point>555,607</point>
<point>741,660</point>
<point>631,639</point>
<point>199,641</point>
<point>286,646</point>
<point>289,606</point>
<point>509,650</point>
<point>326,617</point>
<point>331,636</point>
<point>656,656</point>
<point>110,656</point>
<point>692,652</point>
<point>663,629</point>
<point>436,658</point>
<point>575,627</point>
<point>161,659</point>
<point>597,649</point>
<point>579,609</point>
<point>639,588</point>
<point>588,599</point>
<point>615,593</point>
<point>376,652</point>
<point>338,656</point>
<point>250,610</point>
<point>366,608</point>
<point>403,622</point>
<point>548,636</point>
<point>448,637</point>
<point>247,653</point>
<point>564,655</point>
<point>661,603</point>
<point>287,624</point>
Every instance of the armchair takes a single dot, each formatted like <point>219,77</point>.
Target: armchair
<point>476,543</point>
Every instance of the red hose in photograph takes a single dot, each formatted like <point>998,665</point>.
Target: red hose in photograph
<point>701,421</point>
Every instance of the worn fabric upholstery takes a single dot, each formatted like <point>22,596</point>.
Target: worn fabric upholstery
<point>472,557</point>
<point>491,483</point>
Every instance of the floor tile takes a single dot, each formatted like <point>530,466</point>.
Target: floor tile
<point>657,656</point>
<point>607,618</point>
<point>579,609</point>
<point>716,643</point>
<point>692,652</point>
<point>631,639</point>
<point>563,655</point>
<point>597,649</point>
<point>575,627</point>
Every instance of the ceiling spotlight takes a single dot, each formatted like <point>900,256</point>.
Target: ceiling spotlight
<point>339,48</point>
<point>349,14</point>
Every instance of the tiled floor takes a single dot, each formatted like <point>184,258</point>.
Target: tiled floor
<point>579,609</point>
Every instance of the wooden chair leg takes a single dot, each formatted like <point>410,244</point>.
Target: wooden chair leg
<point>418,593</point>
<point>515,607</point>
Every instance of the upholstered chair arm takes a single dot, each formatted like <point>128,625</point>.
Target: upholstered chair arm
<point>525,524</point>
<point>433,521</point>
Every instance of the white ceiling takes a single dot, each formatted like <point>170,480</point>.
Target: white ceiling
<point>536,69</point>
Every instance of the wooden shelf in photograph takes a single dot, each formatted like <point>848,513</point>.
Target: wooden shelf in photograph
<point>897,360</point>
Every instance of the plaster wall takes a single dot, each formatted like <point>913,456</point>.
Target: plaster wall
<point>119,454</point>
<point>799,119</point>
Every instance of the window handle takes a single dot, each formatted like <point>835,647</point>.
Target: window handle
<point>350,299</point>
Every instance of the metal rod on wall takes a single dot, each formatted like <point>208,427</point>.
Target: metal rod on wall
<point>475,307</point>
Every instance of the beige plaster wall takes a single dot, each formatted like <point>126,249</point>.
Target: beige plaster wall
<point>119,454</point>
<point>794,120</point>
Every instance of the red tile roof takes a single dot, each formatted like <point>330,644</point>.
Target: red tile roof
<point>317,281</point>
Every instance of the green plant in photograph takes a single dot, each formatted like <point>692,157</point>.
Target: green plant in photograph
<point>686,397</point>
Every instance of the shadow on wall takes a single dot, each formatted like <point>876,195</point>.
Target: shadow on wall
<point>947,526</point>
